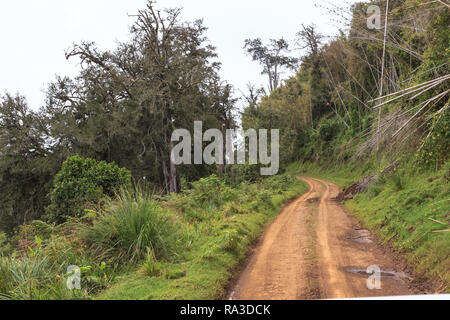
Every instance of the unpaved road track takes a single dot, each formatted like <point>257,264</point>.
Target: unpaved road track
<point>315,250</point>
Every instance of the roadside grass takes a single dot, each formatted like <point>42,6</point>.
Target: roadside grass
<point>131,224</point>
<point>398,208</point>
<point>139,246</point>
<point>224,222</point>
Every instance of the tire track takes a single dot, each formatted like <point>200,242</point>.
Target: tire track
<point>308,253</point>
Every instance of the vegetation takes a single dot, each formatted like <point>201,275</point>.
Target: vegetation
<point>83,181</point>
<point>122,108</point>
<point>365,101</point>
<point>87,180</point>
<point>130,225</point>
<point>220,231</point>
<point>175,247</point>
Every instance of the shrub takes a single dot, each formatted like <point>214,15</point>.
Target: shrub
<point>28,232</point>
<point>127,227</point>
<point>82,181</point>
<point>151,267</point>
<point>25,278</point>
<point>38,275</point>
<point>211,191</point>
<point>434,149</point>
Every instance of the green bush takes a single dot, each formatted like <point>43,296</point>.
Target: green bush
<point>210,191</point>
<point>29,232</point>
<point>434,149</point>
<point>83,181</point>
<point>233,208</point>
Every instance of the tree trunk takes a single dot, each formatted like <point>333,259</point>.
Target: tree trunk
<point>173,173</point>
<point>166,175</point>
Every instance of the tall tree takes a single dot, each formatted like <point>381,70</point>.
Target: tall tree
<point>273,57</point>
<point>125,104</point>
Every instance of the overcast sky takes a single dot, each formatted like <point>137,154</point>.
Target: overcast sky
<point>35,34</point>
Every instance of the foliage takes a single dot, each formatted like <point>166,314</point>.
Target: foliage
<point>271,58</point>
<point>26,164</point>
<point>127,227</point>
<point>40,273</point>
<point>82,181</point>
<point>5,246</point>
<point>151,266</point>
<point>435,148</point>
<point>325,111</point>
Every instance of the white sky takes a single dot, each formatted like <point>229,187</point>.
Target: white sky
<point>35,34</point>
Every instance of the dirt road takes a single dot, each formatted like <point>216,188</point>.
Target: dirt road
<point>316,250</point>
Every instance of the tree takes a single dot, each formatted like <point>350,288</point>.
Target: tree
<point>311,39</point>
<point>26,163</point>
<point>125,104</point>
<point>272,57</point>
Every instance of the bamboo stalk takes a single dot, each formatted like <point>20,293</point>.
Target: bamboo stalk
<point>410,88</point>
<point>382,65</point>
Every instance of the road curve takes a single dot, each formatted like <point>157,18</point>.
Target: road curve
<point>315,250</point>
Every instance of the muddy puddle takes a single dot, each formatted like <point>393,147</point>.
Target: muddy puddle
<point>361,236</point>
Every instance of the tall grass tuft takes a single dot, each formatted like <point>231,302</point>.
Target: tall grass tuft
<point>31,277</point>
<point>130,225</point>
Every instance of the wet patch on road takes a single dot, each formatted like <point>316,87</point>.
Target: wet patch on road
<point>361,236</point>
<point>384,273</point>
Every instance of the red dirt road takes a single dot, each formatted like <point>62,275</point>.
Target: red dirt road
<point>315,250</point>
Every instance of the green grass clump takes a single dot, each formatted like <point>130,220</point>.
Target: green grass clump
<point>151,267</point>
<point>132,224</point>
<point>40,272</point>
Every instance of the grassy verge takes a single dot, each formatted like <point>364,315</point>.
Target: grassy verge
<point>398,208</point>
<point>138,246</point>
<point>223,223</point>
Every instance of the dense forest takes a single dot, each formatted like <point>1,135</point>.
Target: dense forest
<point>100,147</point>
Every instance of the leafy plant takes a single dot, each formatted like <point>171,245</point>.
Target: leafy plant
<point>83,181</point>
<point>151,267</point>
